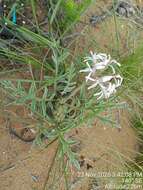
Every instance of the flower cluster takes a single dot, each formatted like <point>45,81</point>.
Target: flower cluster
<point>107,84</point>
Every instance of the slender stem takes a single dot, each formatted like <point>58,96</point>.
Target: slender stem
<point>116,27</point>
<point>64,170</point>
<point>50,169</point>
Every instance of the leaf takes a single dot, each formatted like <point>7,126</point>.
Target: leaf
<point>55,11</point>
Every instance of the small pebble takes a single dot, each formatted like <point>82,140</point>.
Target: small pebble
<point>35,178</point>
<point>23,22</point>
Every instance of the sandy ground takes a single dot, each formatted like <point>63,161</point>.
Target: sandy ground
<point>24,166</point>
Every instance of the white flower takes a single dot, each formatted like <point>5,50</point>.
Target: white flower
<point>106,79</point>
<point>106,91</point>
<point>96,56</point>
<point>99,61</point>
<point>107,84</point>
